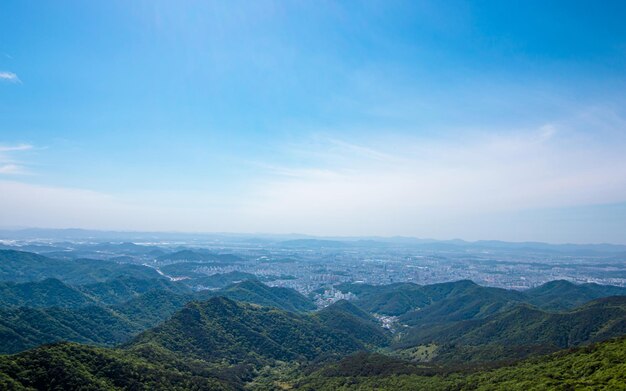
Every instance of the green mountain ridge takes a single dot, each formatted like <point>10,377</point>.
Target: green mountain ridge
<point>562,295</point>
<point>600,366</point>
<point>525,327</point>
<point>123,308</point>
<point>24,328</point>
<point>19,266</point>
<point>50,292</point>
<point>69,366</point>
<point>254,291</point>
<point>161,334</point>
<point>354,322</point>
<point>220,327</point>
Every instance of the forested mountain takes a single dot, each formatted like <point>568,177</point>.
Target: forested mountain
<point>525,325</point>
<point>121,289</point>
<point>46,293</point>
<point>393,299</point>
<point>254,291</point>
<point>597,367</point>
<point>151,308</point>
<point>561,295</point>
<point>220,327</point>
<point>122,308</point>
<point>223,279</point>
<point>19,266</point>
<point>69,366</point>
<point>461,300</point>
<point>347,318</point>
<point>24,328</point>
<point>248,334</point>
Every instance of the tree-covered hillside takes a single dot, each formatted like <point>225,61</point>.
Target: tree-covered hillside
<point>19,266</point>
<point>69,366</point>
<point>165,334</point>
<point>254,291</point>
<point>49,292</point>
<point>526,325</point>
<point>220,328</point>
<point>598,367</point>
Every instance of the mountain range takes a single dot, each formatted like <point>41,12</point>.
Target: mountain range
<point>132,328</point>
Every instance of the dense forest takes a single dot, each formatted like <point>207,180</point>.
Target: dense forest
<point>103,325</point>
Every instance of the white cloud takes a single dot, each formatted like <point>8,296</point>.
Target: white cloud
<point>491,184</point>
<point>418,187</point>
<point>9,76</point>
<point>11,169</point>
<point>8,165</point>
<point>19,147</point>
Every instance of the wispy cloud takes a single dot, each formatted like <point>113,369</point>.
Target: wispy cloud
<point>11,169</point>
<point>19,147</point>
<point>8,163</point>
<point>9,77</point>
<point>413,185</point>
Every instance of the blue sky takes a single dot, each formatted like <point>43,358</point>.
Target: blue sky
<point>479,120</point>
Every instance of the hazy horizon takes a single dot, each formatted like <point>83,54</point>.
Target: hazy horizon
<point>285,236</point>
<point>486,121</point>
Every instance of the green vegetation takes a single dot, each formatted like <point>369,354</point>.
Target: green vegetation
<point>24,328</point>
<point>151,308</point>
<point>461,300</point>
<point>394,299</point>
<point>345,317</point>
<point>112,312</point>
<point>47,293</point>
<point>601,366</point>
<point>450,336</point>
<point>562,295</point>
<point>254,291</point>
<point>526,328</point>
<point>19,266</point>
<point>121,289</point>
<point>222,280</point>
<point>221,329</point>
<point>69,366</point>
<point>419,353</point>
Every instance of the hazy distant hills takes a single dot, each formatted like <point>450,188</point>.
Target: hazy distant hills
<point>124,239</point>
<point>199,256</point>
<point>19,266</point>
